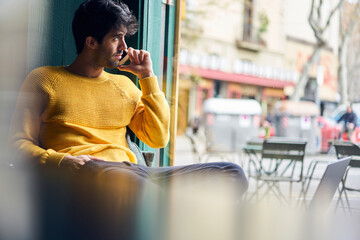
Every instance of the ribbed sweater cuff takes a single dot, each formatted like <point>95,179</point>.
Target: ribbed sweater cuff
<point>149,85</point>
<point>55,158</point>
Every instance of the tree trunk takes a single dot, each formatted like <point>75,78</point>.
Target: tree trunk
<point>315,23</point>
<point>343,51</point>
<point>304,76</point>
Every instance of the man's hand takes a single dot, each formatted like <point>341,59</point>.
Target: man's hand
<point>74,163</point>
<point>140,63</point>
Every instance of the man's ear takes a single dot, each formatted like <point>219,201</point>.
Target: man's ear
<point>91,42</point>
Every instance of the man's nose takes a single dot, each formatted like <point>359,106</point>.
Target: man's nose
<point>122,45</point>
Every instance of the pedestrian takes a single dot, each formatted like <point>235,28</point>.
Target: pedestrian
<point>349,120</point>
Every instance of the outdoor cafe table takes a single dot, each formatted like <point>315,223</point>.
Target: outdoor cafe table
<point>275,159</point>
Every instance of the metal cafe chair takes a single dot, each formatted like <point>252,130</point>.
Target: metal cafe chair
<point>344,149</point>
<point>280,158</point>
<point>253,149</point>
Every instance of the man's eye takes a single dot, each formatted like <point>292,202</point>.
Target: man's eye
<point>118,38</point>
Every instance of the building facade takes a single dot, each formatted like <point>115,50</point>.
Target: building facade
<point>250,49</point>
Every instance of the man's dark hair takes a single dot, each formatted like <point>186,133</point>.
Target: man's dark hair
<point>95,18</point>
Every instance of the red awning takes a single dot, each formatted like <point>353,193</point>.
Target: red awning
<point>234,77</point>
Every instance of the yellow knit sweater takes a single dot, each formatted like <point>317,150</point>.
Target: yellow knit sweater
<point>61,113</point>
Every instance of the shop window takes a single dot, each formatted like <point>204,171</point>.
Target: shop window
<point>248,20</point>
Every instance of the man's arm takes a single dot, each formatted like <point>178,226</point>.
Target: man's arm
<point>341,118</point>
<point>151,120</point>
<point>26,123</point>
<point>25,126</point>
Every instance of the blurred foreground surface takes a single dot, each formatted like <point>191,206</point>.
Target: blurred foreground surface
<point>200,212</point>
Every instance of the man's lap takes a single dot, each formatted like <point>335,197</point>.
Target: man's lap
<point>105,195</point>
<point>161,175</point>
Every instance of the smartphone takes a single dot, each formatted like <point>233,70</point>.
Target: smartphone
<point>124,58</point>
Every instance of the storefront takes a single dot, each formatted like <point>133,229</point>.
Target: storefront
<point>215,83</point>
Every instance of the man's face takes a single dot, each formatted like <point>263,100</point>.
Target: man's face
<point>348,109</point>
<point>110,50</point>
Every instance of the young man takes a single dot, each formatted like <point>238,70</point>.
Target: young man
<point>75,117</point>
<point>77,113</point>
